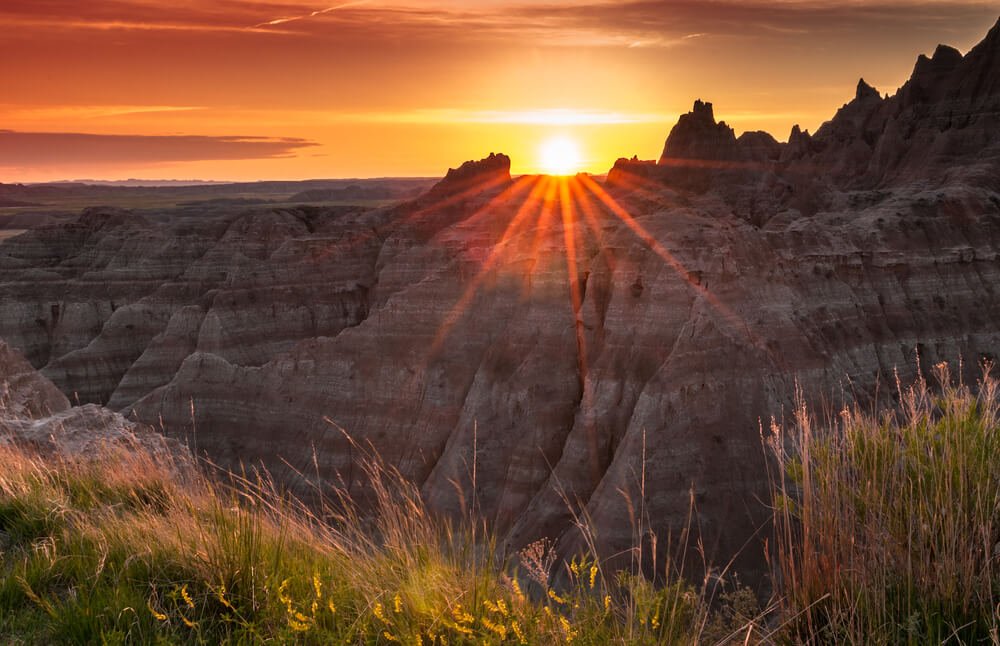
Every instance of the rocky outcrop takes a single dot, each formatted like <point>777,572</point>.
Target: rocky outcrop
<point>697,137</point>
<point>606,348</point>
<point>800,144</point>
<point>24,393</point>
<point>698,140</point>
<point>34,415</point>
<point>474,175</point>
<point>701,153</point>
<point>758,146</point>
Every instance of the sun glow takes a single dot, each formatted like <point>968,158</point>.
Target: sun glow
<point>559,155</point>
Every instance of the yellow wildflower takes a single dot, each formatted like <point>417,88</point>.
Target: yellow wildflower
<point>220,593</point>
<point>389,636</point>
<point>159,616</point>
<point>460,615</point>
<point>607,602</point>
<point>297,626</point>
<point>575,568</point>
<point>397,604</point>
<point>516,627</point>
<point>502,606</point>
<point>499,629</point>
<point>555,597</point>
<point>517,590</point>
<point>186,597</point>
<point>456,628</point>
<point>188,622</point>
<point>379,612</point>
<point>567,629</point>
<point>332,608</point>
<point>283,593</point>
<point>318,586</point>
<point>593,575</point>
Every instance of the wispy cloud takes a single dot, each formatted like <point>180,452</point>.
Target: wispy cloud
<point>311,14</point>
<point>599,23</point>
<point>13,112</point>
<point>40,149</point>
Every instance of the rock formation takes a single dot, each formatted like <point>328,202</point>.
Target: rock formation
<point>35,415</point>
<point>611,348</point>
<point>474,174</point>
<point>698,137</point>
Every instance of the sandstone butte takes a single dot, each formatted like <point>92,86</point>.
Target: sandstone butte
<point>708,284</point>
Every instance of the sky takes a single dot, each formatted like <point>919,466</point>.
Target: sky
<point>290,89</point>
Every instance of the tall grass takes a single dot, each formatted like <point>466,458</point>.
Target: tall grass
<point>888,526</point>
<point>125,549</point>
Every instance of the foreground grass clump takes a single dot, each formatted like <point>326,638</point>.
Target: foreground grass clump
<point>122,549</point>
<point>888,528</point>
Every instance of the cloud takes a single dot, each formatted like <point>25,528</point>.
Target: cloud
<point>600,23</point>
<point>670,22</point>
<point>311,14</point>
<point>36,149</point>
<point>56,112</point>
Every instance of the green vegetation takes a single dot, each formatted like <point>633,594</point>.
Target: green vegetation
<point>123,550</point>
<point>888,528</point>
<point>887,531</point>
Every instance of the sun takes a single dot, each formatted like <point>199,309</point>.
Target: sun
<point>559,155</point>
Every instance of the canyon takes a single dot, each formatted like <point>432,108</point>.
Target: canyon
<point>543,350</point>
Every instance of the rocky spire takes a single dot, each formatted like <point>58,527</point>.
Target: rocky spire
<point>864,91</point>
<point>698,136</point>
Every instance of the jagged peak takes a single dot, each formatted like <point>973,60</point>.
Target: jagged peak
<point>704,110</point>
<point>797,132</point>
<point>864,91</point>
<point>944,59</point>
<point>944,52</point>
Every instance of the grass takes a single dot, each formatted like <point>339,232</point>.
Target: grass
<point>888,526</point>
<point>120,550</point>
<point>886,531</point>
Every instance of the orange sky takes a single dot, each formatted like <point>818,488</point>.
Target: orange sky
<point>276,89</point>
